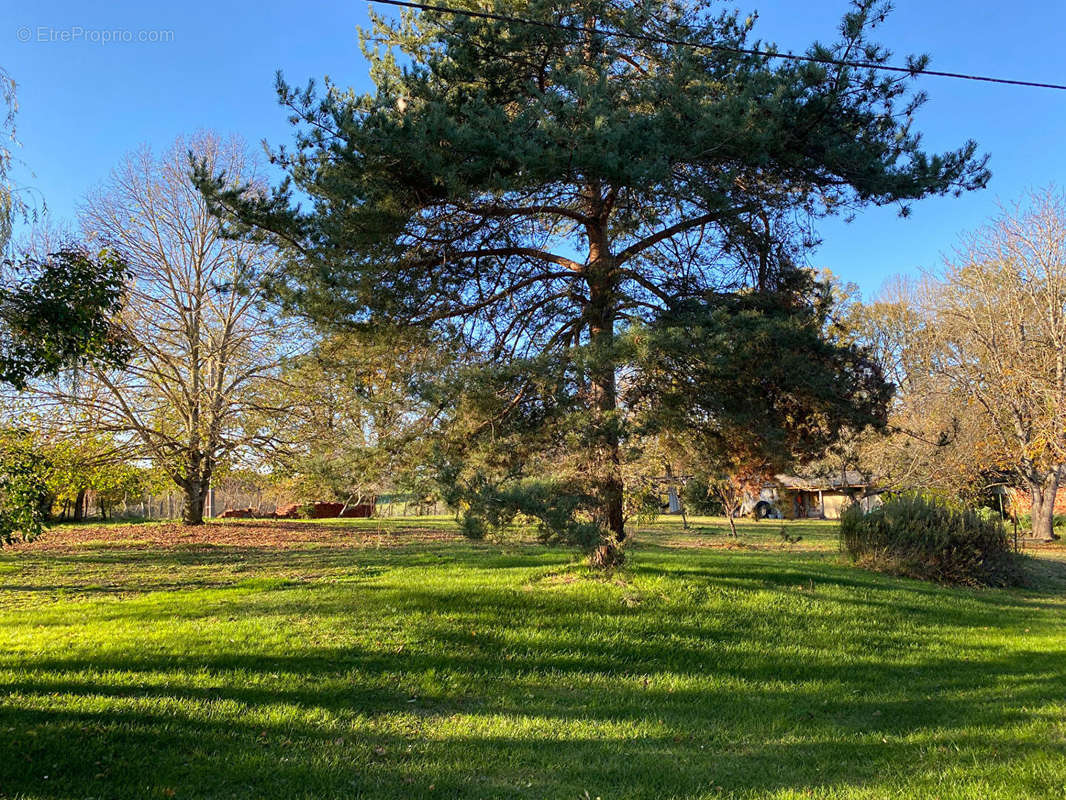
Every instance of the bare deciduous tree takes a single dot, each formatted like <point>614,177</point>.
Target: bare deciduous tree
<point>934,440</point>
<point>203,344</point>
<point>999,329</point>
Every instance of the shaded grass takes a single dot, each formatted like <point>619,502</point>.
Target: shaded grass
<point>396,665</point>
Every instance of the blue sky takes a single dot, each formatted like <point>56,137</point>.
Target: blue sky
<point>85,103</point>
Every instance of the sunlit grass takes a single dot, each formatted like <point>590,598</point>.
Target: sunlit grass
<point>400,667</point>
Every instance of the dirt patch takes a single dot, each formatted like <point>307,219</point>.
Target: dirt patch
<point>701,543</point>
<point>1043,547</point>
<point>273,535</point>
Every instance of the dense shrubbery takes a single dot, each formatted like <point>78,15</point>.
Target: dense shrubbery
<point>930,538</point>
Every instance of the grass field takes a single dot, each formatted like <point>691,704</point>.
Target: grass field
<point>394,660</point>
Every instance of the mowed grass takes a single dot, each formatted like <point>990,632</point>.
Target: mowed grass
<point>390,659</point>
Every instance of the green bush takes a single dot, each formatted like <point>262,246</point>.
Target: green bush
<point>644,504</point>
<point>987,514</point>
<point>25,498</point>
<point>929,538</point>
<point>697,500</point>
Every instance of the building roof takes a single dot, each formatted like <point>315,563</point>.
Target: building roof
<point>848,479</point>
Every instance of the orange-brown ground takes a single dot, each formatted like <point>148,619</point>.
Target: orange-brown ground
<point>266,534</point>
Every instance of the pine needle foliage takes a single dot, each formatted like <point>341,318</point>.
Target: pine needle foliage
<point>542,189</point>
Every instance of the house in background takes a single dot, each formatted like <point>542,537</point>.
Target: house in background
<point>1019,500</point>
<point>797,497</point>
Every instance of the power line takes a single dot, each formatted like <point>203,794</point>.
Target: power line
<point>647,37</point>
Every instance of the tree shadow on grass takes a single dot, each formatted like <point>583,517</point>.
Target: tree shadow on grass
<point>679,676</point>
<point>335,736</point>
<point>135,754</point>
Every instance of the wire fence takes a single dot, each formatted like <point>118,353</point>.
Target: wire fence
<point>261,502</point>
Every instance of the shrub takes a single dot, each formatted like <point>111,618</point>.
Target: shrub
<point>698,499</point>
<point>25,498</point>
<point>930,538</point>
<point>644,504</point>
<point>986,514</point>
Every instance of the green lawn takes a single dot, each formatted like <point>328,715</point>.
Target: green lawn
<point>365,659</point>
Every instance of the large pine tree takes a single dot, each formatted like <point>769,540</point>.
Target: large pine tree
<point>543,185</point>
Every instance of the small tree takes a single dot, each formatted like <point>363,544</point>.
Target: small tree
<point>57,312</point>
<point>357,421</point>
<point>732,489</point>
<point>25,495</point>
<point>112,483</point>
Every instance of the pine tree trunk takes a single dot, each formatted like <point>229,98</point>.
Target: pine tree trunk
<point>604,392</point>
<point>1043,490</point>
